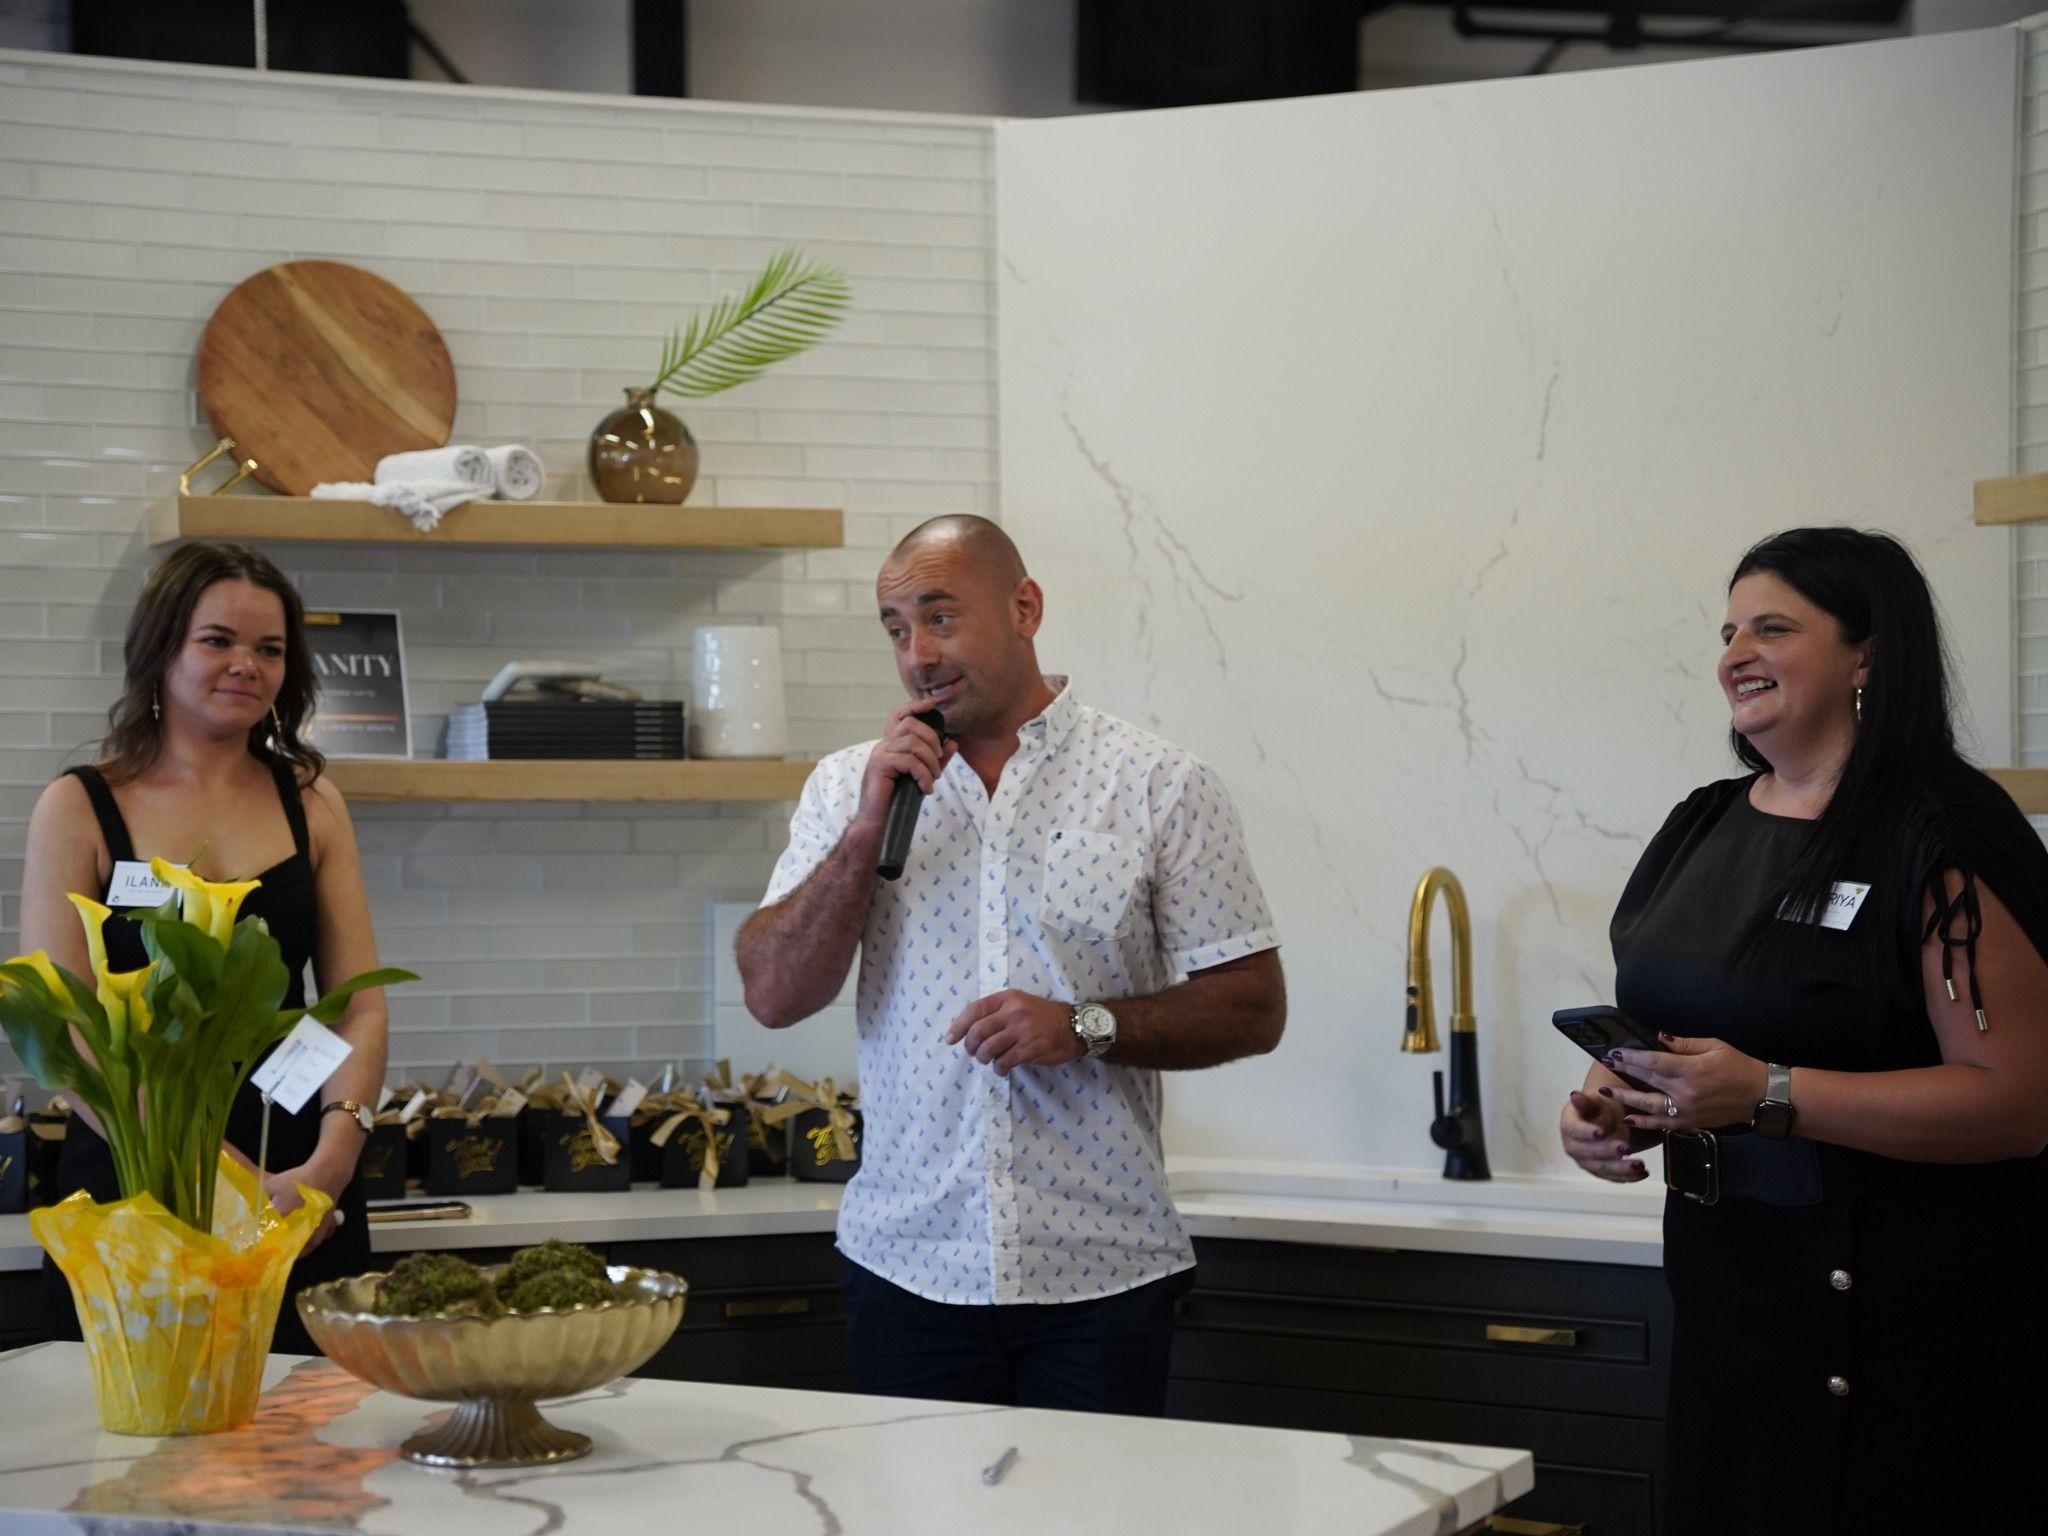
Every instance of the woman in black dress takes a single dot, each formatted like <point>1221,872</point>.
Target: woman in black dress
<point>1842,953</point>
<point>203,764</point>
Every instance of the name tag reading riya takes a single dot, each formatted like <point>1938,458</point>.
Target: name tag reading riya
<point>132,885</point>
<point>303,1060</point>
<point>1841,906</point>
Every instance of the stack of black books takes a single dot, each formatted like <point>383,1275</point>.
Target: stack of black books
<point>574,728</point>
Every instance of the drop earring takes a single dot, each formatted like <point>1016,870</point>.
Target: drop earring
<point>1859,706</point>
<point>156,704</point>
<point>277,725</point>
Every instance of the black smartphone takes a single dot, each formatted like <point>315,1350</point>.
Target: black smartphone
<point>1600,1029</point>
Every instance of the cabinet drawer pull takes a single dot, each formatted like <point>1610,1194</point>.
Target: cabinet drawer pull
<point>769,1306</point>
<point>1508,1525</point>
<point>1550,1338</point>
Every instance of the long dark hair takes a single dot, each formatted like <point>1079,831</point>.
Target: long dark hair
<point>157,630</point>
<point>1871,587</point>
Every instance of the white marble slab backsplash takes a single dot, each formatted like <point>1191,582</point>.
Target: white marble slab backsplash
<point>1391,451</point>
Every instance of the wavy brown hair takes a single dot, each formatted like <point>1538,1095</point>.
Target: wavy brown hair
<point>157,629</point>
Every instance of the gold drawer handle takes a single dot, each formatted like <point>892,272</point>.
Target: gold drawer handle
<point>1549,1338</point>
<point>1508,1525</point>
<point>772,1306</point>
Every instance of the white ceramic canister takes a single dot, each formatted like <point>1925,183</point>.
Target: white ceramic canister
<point>736,706</point>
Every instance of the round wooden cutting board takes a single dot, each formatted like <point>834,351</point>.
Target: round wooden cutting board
<point>318,369</point>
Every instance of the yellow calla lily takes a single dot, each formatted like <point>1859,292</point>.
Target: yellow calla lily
<point>94,917</point>
<point>121,994</point>
<point>40,963</point>
<point>210,905</point>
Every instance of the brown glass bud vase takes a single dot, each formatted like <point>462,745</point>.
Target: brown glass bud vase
<point>642,453</point>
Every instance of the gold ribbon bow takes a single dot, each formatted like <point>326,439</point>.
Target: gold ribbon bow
<point>659,1106</point>
<point>547,1096</point>
<point>709,1117</point>
<point>823,1094</point>
<point>584,1101</point>
<point>476,1117</point>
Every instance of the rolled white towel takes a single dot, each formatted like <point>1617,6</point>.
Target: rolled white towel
<point>458,461</point>
<point>424,501</point>
<point>516,471</point>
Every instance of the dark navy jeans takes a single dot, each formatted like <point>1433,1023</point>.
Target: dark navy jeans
<point>1108,1355</point>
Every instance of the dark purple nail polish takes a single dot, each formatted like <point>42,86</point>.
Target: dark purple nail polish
<point>1666,1036</point>
<point>1636,1167</point>
<point>1606,1093</point>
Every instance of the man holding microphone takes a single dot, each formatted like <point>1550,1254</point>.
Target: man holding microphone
<point>1010,1237</point>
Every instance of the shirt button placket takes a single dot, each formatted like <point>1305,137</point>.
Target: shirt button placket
<point>995,1094</point>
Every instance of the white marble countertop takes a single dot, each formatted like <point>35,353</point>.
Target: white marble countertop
<point>1513,1215</point>
<point>322,1455</point>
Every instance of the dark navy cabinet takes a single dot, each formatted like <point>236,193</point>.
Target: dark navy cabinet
<point>1566,1360</point>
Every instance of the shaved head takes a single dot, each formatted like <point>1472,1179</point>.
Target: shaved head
<point>984,546</point>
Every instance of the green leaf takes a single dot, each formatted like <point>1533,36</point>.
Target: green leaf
<point>253,981</point>
<point>791,307</point>
<point>191,951</point>
<point>331,1007</point>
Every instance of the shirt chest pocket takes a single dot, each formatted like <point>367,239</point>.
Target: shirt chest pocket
<point>1092,881</point>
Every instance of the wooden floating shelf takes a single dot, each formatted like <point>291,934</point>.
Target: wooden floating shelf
<point>2012,499</point>
<point>586,524</point>
<point>564,780</point>
<point>2027,786</point>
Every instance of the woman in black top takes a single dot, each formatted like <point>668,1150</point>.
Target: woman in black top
<point>203,764</point>
<point>1843,954</point>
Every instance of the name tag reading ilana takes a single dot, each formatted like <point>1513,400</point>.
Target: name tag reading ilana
<point>1841,906</point>
<point>303,1060</point>
<point>132,885</point>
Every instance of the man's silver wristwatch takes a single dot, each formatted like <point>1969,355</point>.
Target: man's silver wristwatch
<point>1094,1027</point>
<point>1774,1113</point>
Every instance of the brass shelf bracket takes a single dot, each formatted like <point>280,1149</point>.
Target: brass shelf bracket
<point>225,445</point>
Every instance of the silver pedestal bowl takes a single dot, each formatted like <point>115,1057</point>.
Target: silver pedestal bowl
<point>494,1369</point>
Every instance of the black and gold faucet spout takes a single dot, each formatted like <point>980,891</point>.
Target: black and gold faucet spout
<point>1458,1129</point>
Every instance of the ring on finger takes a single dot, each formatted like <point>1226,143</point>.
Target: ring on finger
<point>1670,1108</point>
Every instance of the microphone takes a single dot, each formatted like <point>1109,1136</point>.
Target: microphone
<point>905,800</point>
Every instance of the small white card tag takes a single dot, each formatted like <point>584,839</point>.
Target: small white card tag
<point>132,885</point>
<point>629,1098</point>
<point>1841,906</point>
<point>297,1068</point>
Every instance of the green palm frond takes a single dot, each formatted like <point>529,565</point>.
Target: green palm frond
<point>791,306</point>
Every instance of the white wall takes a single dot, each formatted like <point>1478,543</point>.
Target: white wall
<point>1395,463</point>
<point>553,239</point>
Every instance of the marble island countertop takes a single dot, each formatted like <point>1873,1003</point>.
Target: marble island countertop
<point>1513,1215</point>
<point>322,1456</point>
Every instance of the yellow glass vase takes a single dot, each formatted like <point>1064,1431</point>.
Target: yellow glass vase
<point>177,1323</point>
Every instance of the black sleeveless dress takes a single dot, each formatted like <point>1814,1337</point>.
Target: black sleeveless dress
<point>1869,1358</point>
<point>286,902</point>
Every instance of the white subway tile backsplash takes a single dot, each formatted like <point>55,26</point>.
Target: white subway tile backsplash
<point>534,234</point>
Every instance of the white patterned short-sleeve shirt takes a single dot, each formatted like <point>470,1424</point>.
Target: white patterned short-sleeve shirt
<point>1107,863</point>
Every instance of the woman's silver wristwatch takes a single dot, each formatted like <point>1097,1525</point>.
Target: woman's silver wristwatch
<point>1774,1113</point>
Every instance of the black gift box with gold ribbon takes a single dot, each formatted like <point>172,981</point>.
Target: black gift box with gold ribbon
<point>573,1160</point>
<point>682,1160</point>
<point>817,1154</point>
<point>468,1156</point>
<point>380,1170</point>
